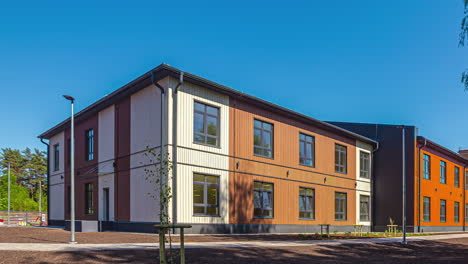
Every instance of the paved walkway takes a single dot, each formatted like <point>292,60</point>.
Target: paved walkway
<point>140,246</point>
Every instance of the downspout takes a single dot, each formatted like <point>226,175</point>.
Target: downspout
<point>174,148</point>
<point>372,186</point>
<point>419,184</point>
<point>161,125</point>
<point>48,181</point>
<point>464,198</point>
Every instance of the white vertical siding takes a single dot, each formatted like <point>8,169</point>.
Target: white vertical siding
<point>144,132</point>
<point>190,160</point>
<point>363,184</point>
<point>106,159</point>
<point>56,179</point>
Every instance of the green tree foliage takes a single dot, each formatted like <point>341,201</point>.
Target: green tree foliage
<point>28,170</point>
<point>463,39</point>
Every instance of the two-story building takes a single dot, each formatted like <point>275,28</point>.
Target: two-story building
<point>239,163</point>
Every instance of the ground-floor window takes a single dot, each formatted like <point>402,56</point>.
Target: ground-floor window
<point>443,211</point>
<point>340,206</point>
<point>205,194</point>
<point>427,209</point>
<point>466,213</point>
<point>364,207</point>
<point>263,199</point>
<point>89,209</point>
<point>456,212</point>
<point>306,203</point>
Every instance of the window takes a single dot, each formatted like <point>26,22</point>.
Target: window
<point>340,206</point>
<point>456,212</point>
<point>466,213</point>
<point>69,151</point>
<point>89,210</point>
<point>364,164</point>
<point>364,207</point>
<point>205,124</point>
<point>69,199</point>
<point>56,157</point>
<point>456,177</point>
<point>443,172</point>
<point>205,194</point>
<point>427,167</point>
<point>306,150</point>
<point>263,199</point>
<point>340,158</point>
<point>443,211</point>
<point>466,180</point>
<point>263,139</point>
<point>306,203</point>
<point>427,209</point>
<point>90,144</point>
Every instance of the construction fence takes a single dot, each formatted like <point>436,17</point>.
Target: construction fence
<point>23,218</point>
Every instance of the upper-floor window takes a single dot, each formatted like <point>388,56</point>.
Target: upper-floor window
<point>89,199</point>
<point>456,212</point>
<point>364,158</point>
<point>364,206</point>
<point>56,157</point>
<point>263,139</point>
<point>456,176</point>
<point>89,144</point>
<point>466,181</point>
<point>443,211</point>
<point>427,209</point>
<point>205,194</point>
<point>443,172</point>
<point>340,206</point>
<point>206,124</point>
<point>427,167</point>
<point>466,213</point>
<point>306,203</point>
<point>69,151</point>
<point>340,158</point>
<point>306,150</point>
<point>263,199</point>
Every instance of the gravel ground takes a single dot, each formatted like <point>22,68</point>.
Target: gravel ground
<point>440,251</point>
<point>55,235</point>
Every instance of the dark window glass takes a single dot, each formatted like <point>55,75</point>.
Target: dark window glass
<point>206,124</point>
<point>364,207</point>
<point>456,212</point>
<point>443,211</point>
<point>56,157</point>
<point>306,150</point>
<point>456,177</point>
<point>443,172</point>
<point>90,144</point>
<point>205,194</point>
<point>263,199</point>
<point>89,209</point>
<point>427,167</point>
<point>263,139</point>
<point>69,151</point>
<point>466,213</point>
<point>340,158</point>
<point>306,203</point>
<point>427,209</point>
<point>340,206</point>
<point>364,164</point>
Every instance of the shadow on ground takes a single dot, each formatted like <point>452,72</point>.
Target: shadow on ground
<point>415,252</point>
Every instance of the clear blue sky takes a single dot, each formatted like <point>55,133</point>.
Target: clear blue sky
<point>361,61</point>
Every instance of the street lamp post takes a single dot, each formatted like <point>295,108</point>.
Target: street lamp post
<point>72,170</point>
<point>9,193</point>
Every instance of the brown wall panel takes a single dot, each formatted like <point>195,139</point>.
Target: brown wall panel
<point>85,171</point>
<point>122,156</point>
<point>289,175</point>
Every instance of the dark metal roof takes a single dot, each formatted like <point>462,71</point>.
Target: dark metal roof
<point>442,149</point>
<point>165,70</point>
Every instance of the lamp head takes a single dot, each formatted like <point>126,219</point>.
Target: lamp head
<point>68,97</point>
